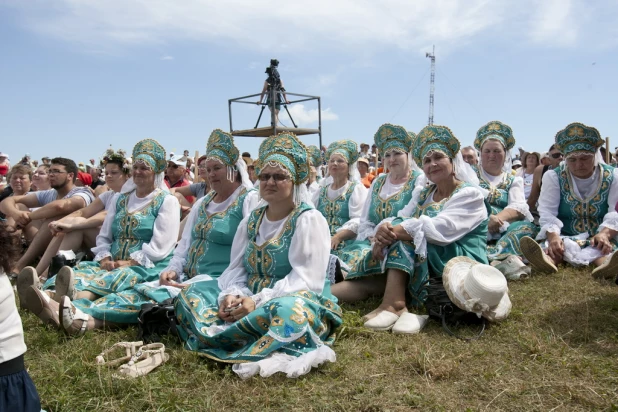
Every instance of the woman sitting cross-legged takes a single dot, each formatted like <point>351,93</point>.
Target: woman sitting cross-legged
<point>341,202</point>
<point>577,208</point>
<point>135,244</point>
<point>510,218</point>
<point>444,219</point>
<point>79,230</point>
<point>271,310</point>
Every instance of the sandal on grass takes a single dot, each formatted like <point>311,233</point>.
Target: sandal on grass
<point>26,278</point>
<point>65,283</point>
<point>130,350</point>
<point>73,321</point>
<point>38,303</point>
<point>144,361</point>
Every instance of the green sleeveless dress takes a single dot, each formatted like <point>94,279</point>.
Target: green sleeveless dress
<point>211,259</point>
<point>508,243</point>
<point>358,255</point>
<point>294,324</point>
<point>130,231</point>
<point>583,215</point>
<point>336,212</point>
<point>472,245</point>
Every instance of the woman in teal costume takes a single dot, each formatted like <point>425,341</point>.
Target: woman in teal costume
<point>341,202</point>
<point>135,243</point>
<point>510,218</point>
<point>271,310</point>
<point>389,193</point>
<point>444,219</point>
<point>577,208</point>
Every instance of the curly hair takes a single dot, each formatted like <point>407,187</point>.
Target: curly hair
<point>118,158</point>
<point>10,246</point>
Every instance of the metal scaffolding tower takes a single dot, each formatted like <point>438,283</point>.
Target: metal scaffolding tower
<point>432,81</point>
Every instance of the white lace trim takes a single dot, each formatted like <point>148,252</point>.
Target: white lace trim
<point>610,221</point>
<point>140,257</point>
<point>176,265</point>
<point>102,255</point>
<point>554,226</point>
<point>233,290</point>
<point>352,225</point>
<point>577,256</point>
<point>415,228</point>
<point>366,229</point>
<point>523,209</point>
<point>292,366</point>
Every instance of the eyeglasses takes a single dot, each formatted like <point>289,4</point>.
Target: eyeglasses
<point>56,171</point>
<point>201,167</point>
<point>265,177</point>
<point>556,155</point>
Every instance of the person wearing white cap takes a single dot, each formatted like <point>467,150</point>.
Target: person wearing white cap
<point>175,175</point>
<point>577,208</point>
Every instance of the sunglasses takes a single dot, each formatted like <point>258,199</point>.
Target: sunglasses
<point>556,155</point>
<point>173,166</point>
<point>265,177</point>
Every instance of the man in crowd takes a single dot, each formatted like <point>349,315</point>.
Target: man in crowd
<point>363,169</point>
<point>175,175</point>
<point>554,157</point>
<point>64,198</point>
<point>95,172</point>
<point>46,160</point>
<point>364,153</point>
<point>246,156</point>
<point>469,155</point>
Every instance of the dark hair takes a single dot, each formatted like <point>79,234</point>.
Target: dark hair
<point>68,164</point>
<point>10,246</point>
<point>552,147</point>
<point>21,169</point>
<point>245,154</point>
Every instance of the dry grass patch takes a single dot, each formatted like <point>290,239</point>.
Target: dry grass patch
<point>557,351</point>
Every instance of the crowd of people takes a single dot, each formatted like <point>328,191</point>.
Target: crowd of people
<point>258,254</point>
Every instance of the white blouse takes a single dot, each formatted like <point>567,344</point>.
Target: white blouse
<point>355,205</point>
<point>549,200</point>
<point>179,260</point>
<point>366,227</point>
<point>309,264</point>
<point>461,214</point>
<point>517,198</point>
<point>108,197</point>
<point>12,342</point>
<point>313,188</point>
<point>165,231</point>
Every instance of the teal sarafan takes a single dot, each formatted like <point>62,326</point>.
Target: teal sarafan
<point>495,130</point>
<point>432,138</point>
<point>152,153</point>
<point>221,146</point>
<point>347,148</point>
<point>315,155</point>
<point>393,137</point>
<point>286,151</point>
<point>578,137</point>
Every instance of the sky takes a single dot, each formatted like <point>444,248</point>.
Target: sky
<point>80,75</point>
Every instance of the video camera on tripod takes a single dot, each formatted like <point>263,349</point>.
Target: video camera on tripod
<point>275,94</point>
<point>274,79</point>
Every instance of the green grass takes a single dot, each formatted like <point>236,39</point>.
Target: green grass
<point>558,350</point>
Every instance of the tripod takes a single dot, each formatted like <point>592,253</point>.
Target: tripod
<point>275,95</point>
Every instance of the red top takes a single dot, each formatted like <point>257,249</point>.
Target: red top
<point>4,169</point>
<point>181,183</point>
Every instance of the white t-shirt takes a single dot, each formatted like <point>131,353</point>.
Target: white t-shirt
<point>47,196</point>
<point>12,342</point>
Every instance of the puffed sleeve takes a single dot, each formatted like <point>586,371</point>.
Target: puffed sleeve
<point>233,280</point>
<point>517,199</point>
<point>251,201</point>
<point>315,198</point>
<point>366,227</point>
<point>549,202</point>
<point>179,260</point>
<point>610,220</point>
<point>105,238</point>
<point>461,214</point>
<point>309,264</point>
<point>355,208</point>
<point>164,234</point>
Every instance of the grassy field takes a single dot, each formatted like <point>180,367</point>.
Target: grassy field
<point>558,350</point>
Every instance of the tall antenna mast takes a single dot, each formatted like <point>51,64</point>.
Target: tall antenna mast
<point>432,81</point>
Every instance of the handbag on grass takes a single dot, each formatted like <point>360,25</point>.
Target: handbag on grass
<point>157,320</point>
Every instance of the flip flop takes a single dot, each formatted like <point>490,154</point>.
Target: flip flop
<point>147,358</point>
<point>130,351</point>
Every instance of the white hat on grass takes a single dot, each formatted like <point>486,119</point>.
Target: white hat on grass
<point>478,288</point>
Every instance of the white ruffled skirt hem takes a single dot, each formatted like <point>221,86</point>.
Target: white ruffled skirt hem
<point>292,366</point>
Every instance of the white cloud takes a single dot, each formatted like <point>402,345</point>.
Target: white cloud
<point>350,26</point>
<point>167,58</point>
<point>304,117</point>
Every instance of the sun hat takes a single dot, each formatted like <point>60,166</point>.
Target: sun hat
<point>578,137</point>
<point>393,137</point>
<point>495,130</point>
<point>363,160</point>
<point>476,287</point>
<point>178,161</point>
<point>152,153</point>
<point>435,137</point>
<point>346,148</point>
<point>315,155</point>
<point>516,162</point>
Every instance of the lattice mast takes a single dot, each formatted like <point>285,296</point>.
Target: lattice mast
<point>432,83</point>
